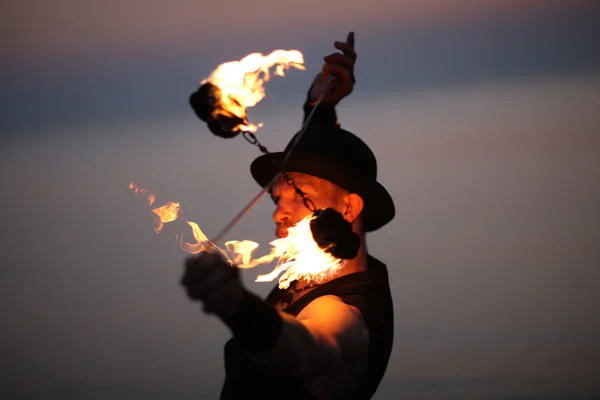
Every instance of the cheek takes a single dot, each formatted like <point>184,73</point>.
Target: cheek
<point>292,209</point>
<point>299,212</point>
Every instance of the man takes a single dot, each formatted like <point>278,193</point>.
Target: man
<point>326,341</point>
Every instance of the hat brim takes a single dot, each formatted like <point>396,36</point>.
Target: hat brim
<point>378,204</point>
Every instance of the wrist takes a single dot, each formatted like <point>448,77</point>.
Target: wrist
<point>226,300</point>
<point>256,325</point>
<point>325,114</point>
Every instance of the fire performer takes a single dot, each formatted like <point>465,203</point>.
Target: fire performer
<point>327,341</point>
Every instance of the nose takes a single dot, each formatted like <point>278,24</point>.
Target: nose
<point>281,213</point>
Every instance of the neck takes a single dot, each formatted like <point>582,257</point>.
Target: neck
<point>358,263</point>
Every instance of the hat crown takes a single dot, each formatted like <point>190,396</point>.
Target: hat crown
<point>338,156</point>
<point>338,145</point>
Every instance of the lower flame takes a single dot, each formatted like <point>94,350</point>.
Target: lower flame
<point>167,213</point>
<point>298,255</point>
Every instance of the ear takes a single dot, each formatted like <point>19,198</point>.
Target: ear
<point>353,207</point>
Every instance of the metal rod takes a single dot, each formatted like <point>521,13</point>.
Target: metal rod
<point>310,115</point>
<point>243,212</point>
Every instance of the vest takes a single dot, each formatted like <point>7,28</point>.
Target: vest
<point>368,291</point>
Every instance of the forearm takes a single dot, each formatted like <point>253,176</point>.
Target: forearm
<point>255,325</point>
<point>324,114</point>
<point>299,352</point>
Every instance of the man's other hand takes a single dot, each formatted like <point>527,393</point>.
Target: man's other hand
<point>211,279</point>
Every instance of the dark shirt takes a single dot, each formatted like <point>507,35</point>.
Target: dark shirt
<point>368,291</point>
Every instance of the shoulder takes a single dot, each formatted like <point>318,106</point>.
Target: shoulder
<point>331,306</point>
<point>336,320</point>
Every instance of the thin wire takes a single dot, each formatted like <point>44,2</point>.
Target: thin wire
<point>243,212</point>
<point>299,135</point>
<point>268,186</point>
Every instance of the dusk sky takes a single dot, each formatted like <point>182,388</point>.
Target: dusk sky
<point>484,117</point>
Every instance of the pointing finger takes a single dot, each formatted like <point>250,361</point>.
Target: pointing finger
<point>350,39</point>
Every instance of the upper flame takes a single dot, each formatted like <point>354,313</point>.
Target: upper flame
<point>241,82</point>
<point>298,255</point>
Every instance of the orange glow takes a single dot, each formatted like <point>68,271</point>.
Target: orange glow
<point>241,82</point>
<point>164,214</point>
<point>298,257</point>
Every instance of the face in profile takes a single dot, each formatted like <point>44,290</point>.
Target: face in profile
<point>290,205</point>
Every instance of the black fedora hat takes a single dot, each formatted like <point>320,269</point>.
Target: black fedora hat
<point>340,157</point>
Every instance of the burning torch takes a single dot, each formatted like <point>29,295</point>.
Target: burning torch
<point>222,101</point>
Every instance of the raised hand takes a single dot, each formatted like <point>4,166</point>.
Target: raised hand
<point>341,66</point>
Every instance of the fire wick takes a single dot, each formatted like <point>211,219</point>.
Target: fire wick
<point>268,186</point>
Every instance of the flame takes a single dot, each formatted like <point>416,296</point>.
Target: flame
<point>298,255</point>
<point>167,213</point>
<point>241,82</point>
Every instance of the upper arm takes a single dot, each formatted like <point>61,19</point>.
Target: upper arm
<point>325,335</point>
<point>338,329</point>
